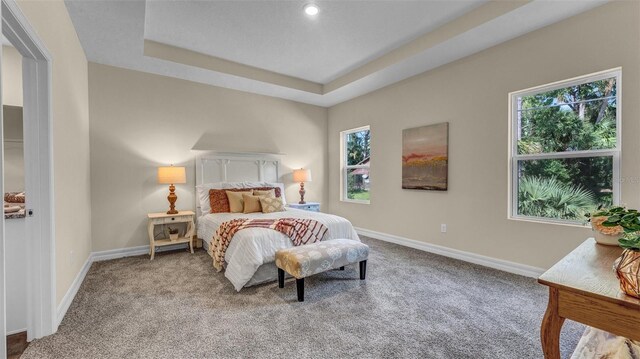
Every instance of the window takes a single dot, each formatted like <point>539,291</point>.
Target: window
<point>565,148</point>
<point>355,161</point>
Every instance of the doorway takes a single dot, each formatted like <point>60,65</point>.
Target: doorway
<point>39,238</point>
<point>14,198</point>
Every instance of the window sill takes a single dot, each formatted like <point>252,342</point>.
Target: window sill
<point>355,201</point>
<point>575,224</point>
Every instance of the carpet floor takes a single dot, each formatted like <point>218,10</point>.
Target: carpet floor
<point>413,304</point>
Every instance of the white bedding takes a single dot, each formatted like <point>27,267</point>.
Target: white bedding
<point>252,247</point>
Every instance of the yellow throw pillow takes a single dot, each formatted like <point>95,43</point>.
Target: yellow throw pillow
<point>270,205</point>
<point>236,204</point>
<point>268,193</point>
<point>251,203</point>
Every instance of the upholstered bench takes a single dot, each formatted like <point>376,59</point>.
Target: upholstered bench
<point>304,261</point>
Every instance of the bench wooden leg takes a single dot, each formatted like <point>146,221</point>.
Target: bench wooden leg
<point>300,286</point>
<point>363,269</point>
<point>341,268</point>
<point>280,278</point>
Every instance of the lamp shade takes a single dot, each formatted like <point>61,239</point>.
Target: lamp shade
<point>302,175</point>
<point>171,175</point>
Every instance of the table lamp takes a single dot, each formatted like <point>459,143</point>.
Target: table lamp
<point>302,176</point>
<point>172,175</point>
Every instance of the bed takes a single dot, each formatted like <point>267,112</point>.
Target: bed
<point>251,254</point>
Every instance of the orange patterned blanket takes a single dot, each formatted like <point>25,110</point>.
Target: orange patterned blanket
<point>301,231</point>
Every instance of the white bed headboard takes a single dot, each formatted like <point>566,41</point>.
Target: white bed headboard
<point>214,167</point>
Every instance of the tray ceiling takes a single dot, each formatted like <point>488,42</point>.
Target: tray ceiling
<point>272,48</point>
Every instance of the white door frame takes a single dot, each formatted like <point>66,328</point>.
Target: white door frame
<point>38,155</point>
<point>3,305</point>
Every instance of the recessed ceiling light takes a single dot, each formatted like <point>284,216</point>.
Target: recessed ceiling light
<point>311,9</point>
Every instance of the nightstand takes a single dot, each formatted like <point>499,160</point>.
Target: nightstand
<point>167,219</point>
<point>309,206</point>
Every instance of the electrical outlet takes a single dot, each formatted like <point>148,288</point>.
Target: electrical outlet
<point>443,228</point>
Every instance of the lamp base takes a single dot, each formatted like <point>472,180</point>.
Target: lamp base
<point>172,200</point>
<point>302,192</point>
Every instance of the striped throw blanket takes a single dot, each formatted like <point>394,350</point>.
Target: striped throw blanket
<point>301,231</point>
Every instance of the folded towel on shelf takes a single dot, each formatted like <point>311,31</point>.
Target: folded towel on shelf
<point>11,209</point>
<point>14,197</point>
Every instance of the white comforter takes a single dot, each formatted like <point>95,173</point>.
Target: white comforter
<point>252,247</point>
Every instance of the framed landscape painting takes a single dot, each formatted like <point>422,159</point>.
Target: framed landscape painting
<point>425,157</point>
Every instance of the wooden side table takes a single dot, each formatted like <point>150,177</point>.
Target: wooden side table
<point>155,219</point>
<point>309,206</point>
<point>584,288</point>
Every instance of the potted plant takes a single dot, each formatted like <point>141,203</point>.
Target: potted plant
<point>627,267</point>
<point>607,234</point>
<point>173,233</point>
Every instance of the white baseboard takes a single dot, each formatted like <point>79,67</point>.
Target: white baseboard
<point>131,251</point>
<point>103,256</point>
<point>119,253</point>
<point>73,289</point>
<point>500,264</point>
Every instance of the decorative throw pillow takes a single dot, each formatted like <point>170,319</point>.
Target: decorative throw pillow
<point>202,191</point>
<point>270,205</point>
<point>219,202</point>
<point>265,193</point>
<point>277,190</point>
<point>278,186</point>
<point>236,203</point>
<point>251,203</point>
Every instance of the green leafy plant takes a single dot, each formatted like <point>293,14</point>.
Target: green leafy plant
<point>173,230</point>
<point>605,212</point>
<point>551,198</point>
<point>629,220</point>
<point>632,243</point>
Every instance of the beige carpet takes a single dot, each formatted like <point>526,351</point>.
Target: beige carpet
<point>412,305</point>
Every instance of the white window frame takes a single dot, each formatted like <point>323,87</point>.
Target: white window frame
<point>344,167</point>
<point>514,157</point>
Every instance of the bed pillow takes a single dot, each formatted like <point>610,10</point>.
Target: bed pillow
<point>251,203</point>
<point>219,201</point>
<point>276,185</point>
<point>236,203</point>
<point>265,193</point>
<point>203,193</point>
<point>270,205</point>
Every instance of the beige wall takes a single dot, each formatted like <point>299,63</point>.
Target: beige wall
<point>140,121</point>
<point>70,137</point>
<point>472,95</point>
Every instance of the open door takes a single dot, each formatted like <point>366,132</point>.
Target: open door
<point>38,157</point>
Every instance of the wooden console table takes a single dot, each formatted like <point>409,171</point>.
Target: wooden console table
<point>584,288</point>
